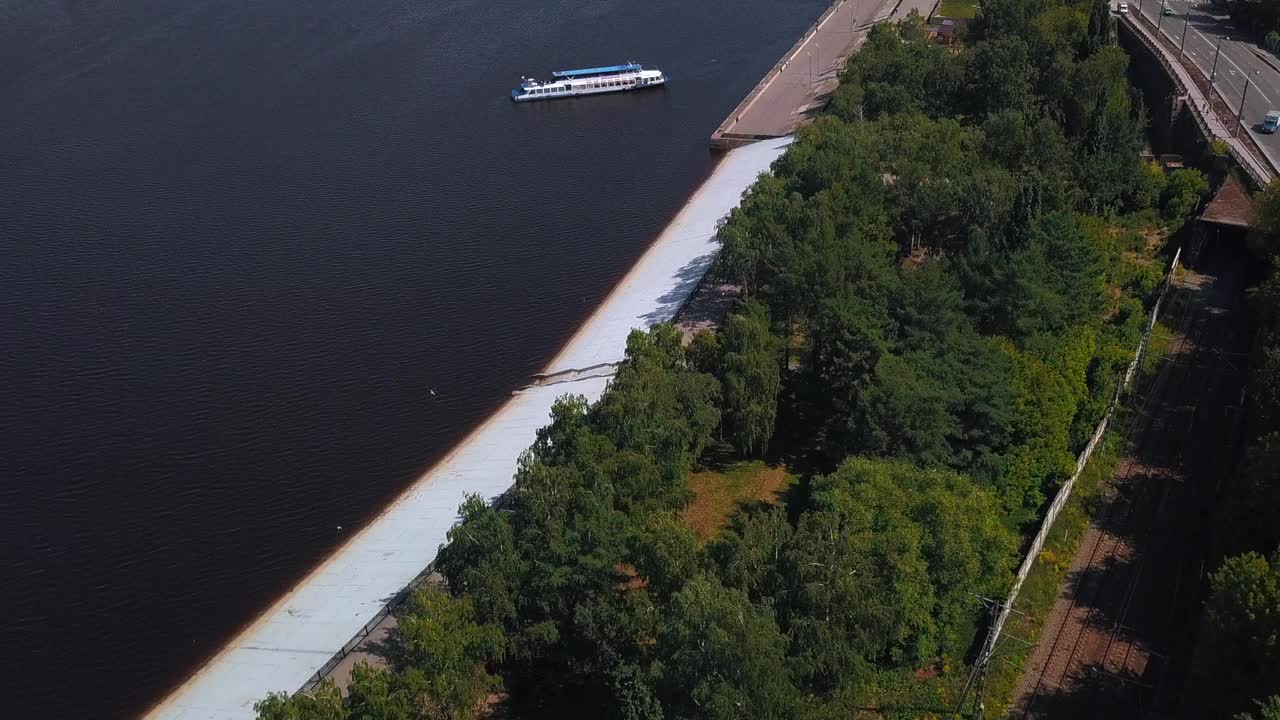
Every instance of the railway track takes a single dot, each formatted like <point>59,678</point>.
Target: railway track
<point>1103,652</point>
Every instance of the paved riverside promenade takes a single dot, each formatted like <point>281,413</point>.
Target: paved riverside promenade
<point>291,641</point>
<point>800,84</point>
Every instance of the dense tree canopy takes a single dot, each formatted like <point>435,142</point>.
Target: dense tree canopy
<point>937,300</point>
<point>1239,653</point>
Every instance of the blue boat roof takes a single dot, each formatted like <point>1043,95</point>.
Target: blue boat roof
<point>596,71</point>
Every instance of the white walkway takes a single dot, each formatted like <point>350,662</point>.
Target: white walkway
<point>288,643</point>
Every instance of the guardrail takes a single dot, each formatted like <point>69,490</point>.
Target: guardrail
<point>1260,172</point>
<point>350,646</point>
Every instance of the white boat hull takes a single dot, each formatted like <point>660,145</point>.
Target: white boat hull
<point>575,87</point>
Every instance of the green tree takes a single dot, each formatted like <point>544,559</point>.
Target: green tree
<point>379,694</point>
<point>723,658</point>
<point>1000,76</point>
<point>1149,186</point>
<point>1183,193</point>
<point>658,406</point>
<point>1109,133</point>
<point>1238,657</point>
<point>751,377</point>
<point>746,553</point>
<point>1054,283</point>
<point>1268,709</point>
<point>1265,384</point>
<point>1099,26</point>
<point>905,411</point>
<point>704,353</point>
<point>1245,519</point>
<point>666,553</point>
<point>439,640</point>
<point>1043,413</point>
<point>480,561</point>
<point>939,520</point>
<point>1267,220</point>
<point>1008,18</point>
<point>322,703</point>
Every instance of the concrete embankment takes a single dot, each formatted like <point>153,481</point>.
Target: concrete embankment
<point>799,85</point>
<point>310,629</point>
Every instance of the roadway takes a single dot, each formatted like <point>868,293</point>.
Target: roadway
<point>1237,63</point>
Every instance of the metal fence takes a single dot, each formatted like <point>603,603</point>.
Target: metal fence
<point>363,634</point>
<point>1064,493</point>
<point>387,610</point>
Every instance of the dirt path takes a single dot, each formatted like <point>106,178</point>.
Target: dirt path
<point>1110,645</point>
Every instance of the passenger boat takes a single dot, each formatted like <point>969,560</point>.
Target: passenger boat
<point>588,81</point>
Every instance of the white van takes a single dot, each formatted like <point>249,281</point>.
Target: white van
<point>1271,122</point>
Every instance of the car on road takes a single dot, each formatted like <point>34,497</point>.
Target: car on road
<point>1271,122</point>
<point>1123,8</point>
<point>1166,10</point>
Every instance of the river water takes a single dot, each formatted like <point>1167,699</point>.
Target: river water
<point>263,261</point>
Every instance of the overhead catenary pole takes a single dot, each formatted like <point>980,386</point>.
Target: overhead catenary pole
<point>1159,19</point>
<point>1186,21</point>
<point>1214,73</point>
<point>1240,112</point>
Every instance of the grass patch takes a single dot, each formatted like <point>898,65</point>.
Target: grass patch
<point>718,494</point>
<point>1157,348</point>
<point>958,9</point>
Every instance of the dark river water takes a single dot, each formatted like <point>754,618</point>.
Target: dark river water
<point>242,240</point>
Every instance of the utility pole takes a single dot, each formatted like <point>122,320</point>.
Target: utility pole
<point>1159,19</point>
<point>978,675</point>
<point>1214,73</point>
<point>1186,20</point>
<point>1240,112</point>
